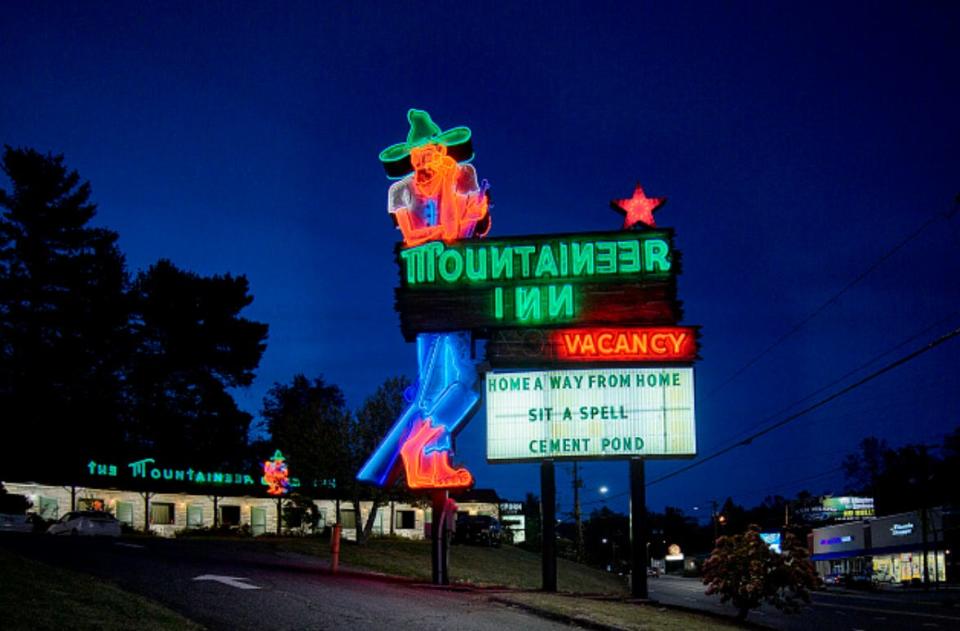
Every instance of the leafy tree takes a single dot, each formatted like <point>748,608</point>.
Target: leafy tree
<point>308,421</point>
<point>191,346</point>
<point>902,479</point>
<point>607,538</point>
<point>63,316</point>
<point>370,424</point>
<point>12,504</point>
<point>673,526</point>
<point>744,570</point>
<point>863,470</point>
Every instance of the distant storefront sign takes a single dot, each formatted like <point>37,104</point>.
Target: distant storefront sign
<point>772,539</point>
<point>839,509</point>
<point>598,413</point>
<point>901,530</point>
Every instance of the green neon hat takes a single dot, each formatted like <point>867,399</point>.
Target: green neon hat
<point>396,158</point>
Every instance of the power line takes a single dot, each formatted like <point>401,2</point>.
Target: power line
<point>849,373</point>
<point>799,325</point>
<point>822,402</point>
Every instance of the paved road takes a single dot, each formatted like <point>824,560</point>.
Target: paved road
<point>250,590</point>
<point>287,595</point>
<point>829,611</point>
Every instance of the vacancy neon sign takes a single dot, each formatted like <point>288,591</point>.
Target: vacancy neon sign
<point>665,343</point>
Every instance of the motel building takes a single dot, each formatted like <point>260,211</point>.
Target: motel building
<point>148,496</point>
<point>890,549</point>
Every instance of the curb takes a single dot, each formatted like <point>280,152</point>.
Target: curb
<point>557,617</point>
<point>599,626</point>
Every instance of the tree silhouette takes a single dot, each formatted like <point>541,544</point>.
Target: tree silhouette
<point>370,425</point>
<point>191,345</point>
<point>63,318</point>
<point>308,421</point>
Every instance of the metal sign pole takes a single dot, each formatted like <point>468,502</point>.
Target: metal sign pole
<point>638,529</point>
<point>438,540</point>
<point>548,525</point>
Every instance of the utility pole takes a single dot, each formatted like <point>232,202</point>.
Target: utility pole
<point>923,516</point>
<point>548,526</point>
<point>578,518</point>
<point>716,526</point>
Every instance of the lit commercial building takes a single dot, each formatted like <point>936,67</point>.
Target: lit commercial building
<point>166,514</point>
<point>890,549</point>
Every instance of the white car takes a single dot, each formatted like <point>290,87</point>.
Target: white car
<point>91,523</point>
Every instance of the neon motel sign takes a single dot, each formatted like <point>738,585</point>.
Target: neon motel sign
<point>146,469</point>
<point>591,298</point>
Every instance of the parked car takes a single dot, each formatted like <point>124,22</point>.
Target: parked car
<point>15,523</point>
<point>481,530</point>
<point>833,579</point>
<point>89,523</point>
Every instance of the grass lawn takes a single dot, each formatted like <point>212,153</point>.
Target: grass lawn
<point>34,595</point>
<point>507,566</point>
<point>617,614</point>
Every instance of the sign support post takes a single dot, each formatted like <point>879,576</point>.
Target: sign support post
<point>279,514</point>
<point>439,543</point>
<point>548,525</point>
<point>638,529</point>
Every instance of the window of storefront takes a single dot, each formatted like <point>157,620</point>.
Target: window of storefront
<point>348,518</point>
<point>406,519</point>
<point>90,503</point>
<point>230,515</point>
<point>125,513</point>
<point>48,508</point>
<point>194,517</point>
<point>908,567</point>
<point>161,513</point>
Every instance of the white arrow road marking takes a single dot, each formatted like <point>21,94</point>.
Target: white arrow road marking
<point>128,545</point>
<point>232,581</point>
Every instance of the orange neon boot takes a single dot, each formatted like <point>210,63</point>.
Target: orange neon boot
<point>430,470</point>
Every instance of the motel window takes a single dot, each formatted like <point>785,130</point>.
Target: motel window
<point>406,519</point>
<point>229,515</point>
<point>49,508</point>
<point>348,518</point>
<point>161,513</point>
<point>125,513</point>
<point>90,503</point>
<point>194,517</point>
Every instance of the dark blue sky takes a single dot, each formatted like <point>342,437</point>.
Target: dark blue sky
<point>796,142</point>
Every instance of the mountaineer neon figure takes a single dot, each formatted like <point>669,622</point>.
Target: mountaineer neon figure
<point>437,198</point>
<point>276,475</point>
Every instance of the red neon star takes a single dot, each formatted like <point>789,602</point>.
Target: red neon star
<point>638,209</point>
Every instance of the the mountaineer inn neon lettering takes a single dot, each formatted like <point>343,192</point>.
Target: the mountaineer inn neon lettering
<point>573,258</point>
<point>535,281</point>
<point>144,470</point>
<point>140,469</point>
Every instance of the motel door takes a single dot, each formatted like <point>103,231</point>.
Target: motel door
<point>258,521</point>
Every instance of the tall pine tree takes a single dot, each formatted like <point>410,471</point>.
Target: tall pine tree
<point>63,319</point>
<point>192,345</point>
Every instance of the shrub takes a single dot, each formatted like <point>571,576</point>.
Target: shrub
<point>745,571</point>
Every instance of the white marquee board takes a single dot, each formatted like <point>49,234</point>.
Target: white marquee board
<point>578,414</point>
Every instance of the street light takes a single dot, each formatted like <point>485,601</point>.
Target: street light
<point>603,489</point>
